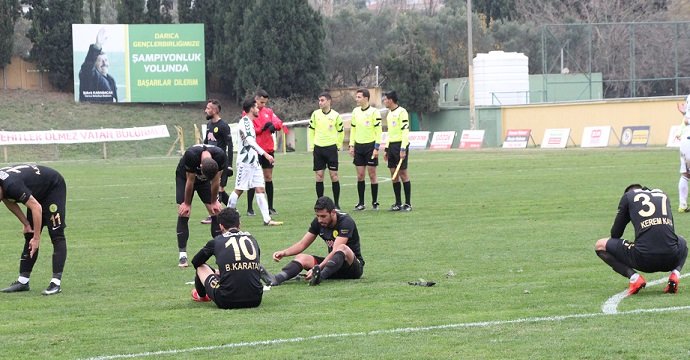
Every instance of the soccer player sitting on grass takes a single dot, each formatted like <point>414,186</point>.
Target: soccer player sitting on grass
<point>237,283</point>
<point>344,260</point>
<point>657,247</point>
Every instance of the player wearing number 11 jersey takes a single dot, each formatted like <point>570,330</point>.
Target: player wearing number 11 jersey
<point>43,191</point>
<point>657,247</point>
<point>236,283</point>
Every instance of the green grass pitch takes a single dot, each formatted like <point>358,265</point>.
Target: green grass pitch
<point>517,228</point>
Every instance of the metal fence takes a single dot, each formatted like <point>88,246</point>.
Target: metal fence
<point>635,59</point>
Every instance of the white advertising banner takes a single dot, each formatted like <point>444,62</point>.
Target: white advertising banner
<point>471,139</point>
<point>555,138</point>
<point>418,139</point>
<point>442,140</point>
<point>595,136</point>
<point>517,138</point>
<point>82,136</point>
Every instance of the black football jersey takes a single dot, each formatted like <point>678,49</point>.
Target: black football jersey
<point>238,257</point>
<point>191,160</point>
<point>649,211</point>
<point>218,134</point>
<point>345,227</point>
<point>19,182</point>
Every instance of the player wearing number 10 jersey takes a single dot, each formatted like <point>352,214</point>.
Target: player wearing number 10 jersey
<point>236,283</point>
<point>43,191</point>
<point>657,247</point>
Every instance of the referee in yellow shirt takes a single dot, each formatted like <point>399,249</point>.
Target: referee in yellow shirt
<point>325,137</point>
<point>398,149</point>
<point>365,139</point>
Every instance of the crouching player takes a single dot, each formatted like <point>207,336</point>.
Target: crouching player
<point>237,282</point>
<point>344,260</point>
<point>657,247</point>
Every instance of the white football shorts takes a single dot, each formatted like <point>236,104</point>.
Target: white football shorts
<point>250,177</point>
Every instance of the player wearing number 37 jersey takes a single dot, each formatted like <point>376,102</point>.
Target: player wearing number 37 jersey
<point>657,247</point>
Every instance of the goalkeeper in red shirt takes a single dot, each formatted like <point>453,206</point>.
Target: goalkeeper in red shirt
<point>265,125</point>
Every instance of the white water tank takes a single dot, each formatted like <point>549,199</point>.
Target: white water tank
<point>501,78</point>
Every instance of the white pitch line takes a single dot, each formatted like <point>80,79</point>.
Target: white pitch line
<point>610,306</point>
<point>481,324</point>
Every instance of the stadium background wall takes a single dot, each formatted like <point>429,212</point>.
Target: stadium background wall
<point>660,113</point>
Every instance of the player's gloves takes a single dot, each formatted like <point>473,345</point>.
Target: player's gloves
<point>269,126</point>
<point>230,172</point>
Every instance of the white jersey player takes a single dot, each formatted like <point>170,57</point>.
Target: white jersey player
<point>249,174</point>
<point>684,137</point>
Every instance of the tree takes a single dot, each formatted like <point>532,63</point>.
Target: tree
<point>51,34</point>
<point>157,12</point>
<point>186,11</point>
<point>227,19</point>
<point>522,38</point>
<point>130,12</point>
<point>9,13</point>
<point>494,10</point>
<point>445,36</point>
<point>411,71</point>
<point>95,11</point>
<point>278,56</point>
<point>611,37</point>
<point>211,13</point>
<point>352,54</point>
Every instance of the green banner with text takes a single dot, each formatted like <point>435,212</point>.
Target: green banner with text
<point>139,63</point>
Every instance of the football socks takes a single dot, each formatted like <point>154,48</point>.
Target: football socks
<point>374,193</point>
<point>269,193</point>
<point>289,271</point>
<point>182,232</point>
<point>200,288</point>
<point>59,256</point>
<point>232,202</point>
<point>319,189</point>
<point>263,206</point>
<point>333,265</point>
<point>336,193</point>
<point>215,227</point>
<point>682,255</point>
<point>683,192</point>
<point>250,199</point>
<point>396,192</point>
<point>223,197</point>
<point>360,191</point>
<point>26,262</point>
<point>616,265</point>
